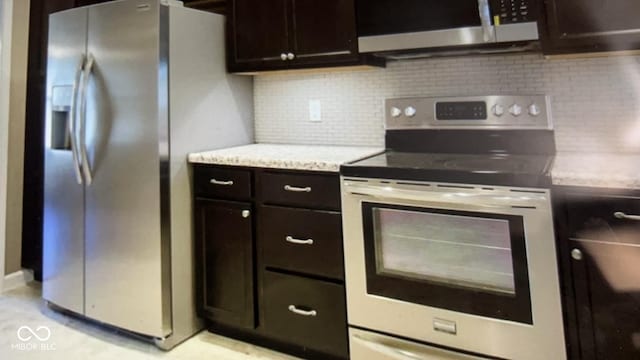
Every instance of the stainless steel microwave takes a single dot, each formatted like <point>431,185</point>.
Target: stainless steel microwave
<point>396,25</point>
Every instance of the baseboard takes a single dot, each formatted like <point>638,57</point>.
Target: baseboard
<point>17,279</point>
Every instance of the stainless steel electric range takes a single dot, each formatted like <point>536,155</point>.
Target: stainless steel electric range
<point>448,235</point>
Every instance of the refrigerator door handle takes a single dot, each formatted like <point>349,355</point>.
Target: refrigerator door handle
<point>86,167</point>
<point>71,123</point>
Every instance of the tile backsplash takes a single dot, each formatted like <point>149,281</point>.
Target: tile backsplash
<point>595,102</point>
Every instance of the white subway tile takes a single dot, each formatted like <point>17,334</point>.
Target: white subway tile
<point>594,101</point>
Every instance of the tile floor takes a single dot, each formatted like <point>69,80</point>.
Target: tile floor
<point>75,339</point>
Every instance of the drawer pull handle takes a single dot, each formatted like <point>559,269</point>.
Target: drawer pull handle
<point>295,310</point>
<point>223,183</point>
<point>297,189</point>
<point>621,215</point>
<point>293,240</point>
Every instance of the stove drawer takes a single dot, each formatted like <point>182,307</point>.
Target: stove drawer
<point>299,189</point>
<point>306,312</point>
<point>370,345</point>
<point>306,241</point>
<point>210,181</point>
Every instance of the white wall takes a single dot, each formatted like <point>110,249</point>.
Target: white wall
<point>3,138</point>
<point>595,102</point>
<point>13,77</point>
<point>17,109</point>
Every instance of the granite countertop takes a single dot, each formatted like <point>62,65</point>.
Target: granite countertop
<point>619,171</point>
<point>294,157</point>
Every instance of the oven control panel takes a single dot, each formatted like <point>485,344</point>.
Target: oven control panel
<point>462,110</point>
<point>477,112</point>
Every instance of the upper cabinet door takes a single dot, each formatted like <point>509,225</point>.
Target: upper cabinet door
<point>258,34</point>
<point>292,34</point>
<point>323,29</point>
<point>591,25</point>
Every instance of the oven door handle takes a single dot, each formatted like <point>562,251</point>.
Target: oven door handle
<point>502,201</point>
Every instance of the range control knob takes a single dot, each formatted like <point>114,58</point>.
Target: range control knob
<point>515,110</point>
<point>410,111</point>
<point>534,110</point>
<point>498,110</point>
<point>395,112</point>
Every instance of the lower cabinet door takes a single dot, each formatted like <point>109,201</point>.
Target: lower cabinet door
<point>607,287</point>
<point>305,312</point>
<point>224,258</point>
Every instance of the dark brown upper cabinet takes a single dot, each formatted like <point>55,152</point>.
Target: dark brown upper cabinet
<point>215,6</point>
<point>575,26</point>
<point>290,34</point>
<point>258,34</point>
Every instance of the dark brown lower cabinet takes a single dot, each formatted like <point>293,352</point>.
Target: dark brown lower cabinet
<point>269,258</point>
<point>603,247</point>
<point>607,283</point>
<point>224,251</point>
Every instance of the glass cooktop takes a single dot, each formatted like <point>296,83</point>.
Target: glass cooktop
<point>491,169</point>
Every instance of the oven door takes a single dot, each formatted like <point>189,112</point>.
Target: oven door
<point>473,262</point>
<point>466,267</point>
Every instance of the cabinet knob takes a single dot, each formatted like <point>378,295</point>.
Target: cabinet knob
<point>283,56</point>
<point>246,213</point>
<point>576,254</point>
<point>291,56</point>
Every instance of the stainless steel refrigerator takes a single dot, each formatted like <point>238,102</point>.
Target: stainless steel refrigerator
<point>133,86</point>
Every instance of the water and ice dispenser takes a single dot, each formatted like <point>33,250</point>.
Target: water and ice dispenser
<point>61,101</point>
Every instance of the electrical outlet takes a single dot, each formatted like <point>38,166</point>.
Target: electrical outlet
<point>315,110</point>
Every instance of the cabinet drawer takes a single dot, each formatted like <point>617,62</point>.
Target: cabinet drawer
<point>304,190</point>
<point>222,183</point>
<point>604,218</point>
<point>305,312</point>
<point>308,241</point>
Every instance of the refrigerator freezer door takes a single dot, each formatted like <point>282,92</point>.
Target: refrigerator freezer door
<point>127,272</point>
<point>63,236</point>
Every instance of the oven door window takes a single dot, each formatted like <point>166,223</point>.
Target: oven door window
<point>462,261</point>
